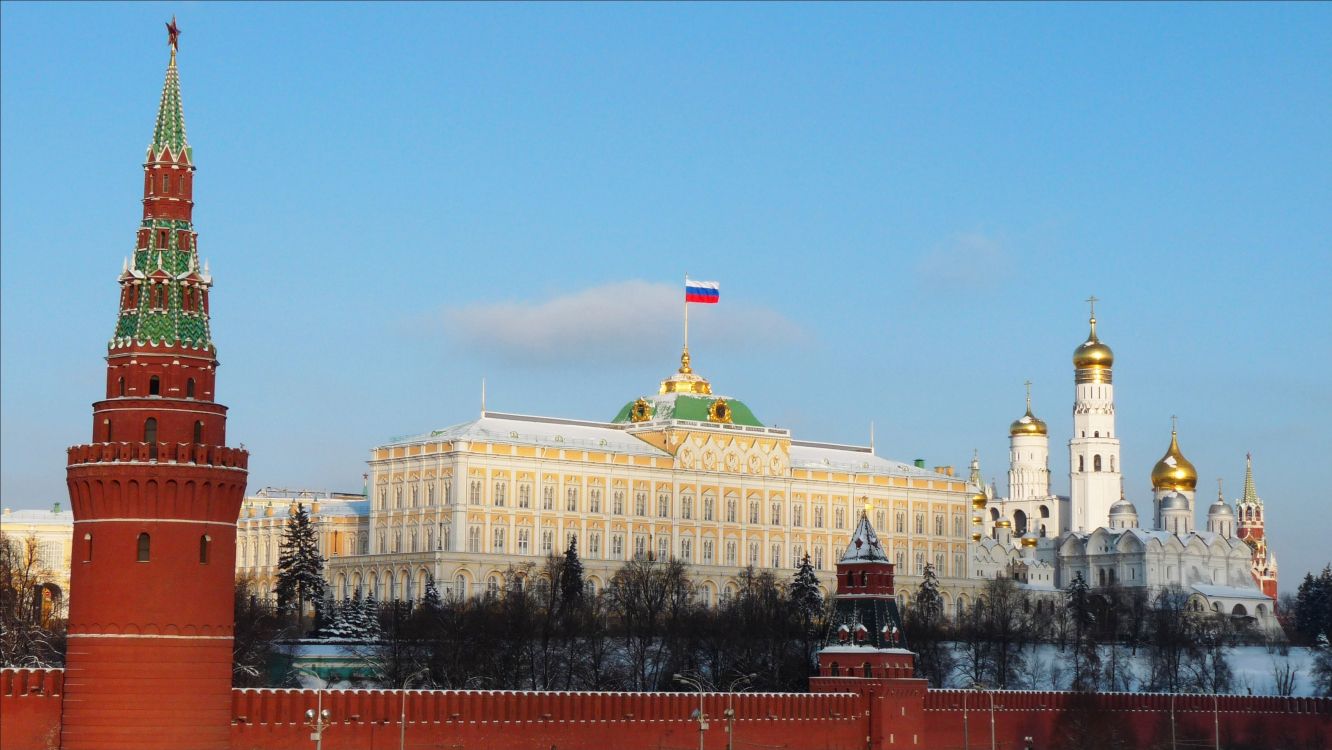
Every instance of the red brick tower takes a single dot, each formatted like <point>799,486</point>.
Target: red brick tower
<point>1249,512</point>
<point>155,494</point>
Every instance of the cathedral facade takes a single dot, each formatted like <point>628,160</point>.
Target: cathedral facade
<point>1046,541</point>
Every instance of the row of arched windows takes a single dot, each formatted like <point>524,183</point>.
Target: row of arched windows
<point>1096,463</point>
<point>155,387</point>
<point>150,433</point>
<point>143,548</point>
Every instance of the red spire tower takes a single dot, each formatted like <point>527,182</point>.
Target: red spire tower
<point>1249,514</point>
<point>155,494</point>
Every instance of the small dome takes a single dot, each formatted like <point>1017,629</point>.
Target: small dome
<point>1175,502</point>
<point>1174,471</point>
<point>1027,424</point>
<point>1093,353</point>
<point>1123,507</point>
<point>1029,540</point>
<point>1220,509</point>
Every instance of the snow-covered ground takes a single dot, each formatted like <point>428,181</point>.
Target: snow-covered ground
<point>1253,668</point>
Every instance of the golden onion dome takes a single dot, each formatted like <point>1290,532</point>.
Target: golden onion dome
<point>1029,540</point>
<point>1093,353</point>
<point>1174,471</point>
<point>1027,424</point>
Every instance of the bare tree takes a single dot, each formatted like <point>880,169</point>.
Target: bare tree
<point>30,635</point>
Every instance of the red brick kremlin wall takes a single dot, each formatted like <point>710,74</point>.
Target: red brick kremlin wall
<point>882,714</point>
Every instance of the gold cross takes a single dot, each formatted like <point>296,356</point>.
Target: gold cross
<point>1093,300</point>
<point>1174,423</point>
<point>1028,384</point>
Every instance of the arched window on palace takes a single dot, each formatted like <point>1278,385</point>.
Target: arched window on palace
<point>143,547</point>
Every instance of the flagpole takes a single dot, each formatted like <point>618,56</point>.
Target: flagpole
<point>686,313</point>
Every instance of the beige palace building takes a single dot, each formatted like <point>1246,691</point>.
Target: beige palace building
<point>681,473</point>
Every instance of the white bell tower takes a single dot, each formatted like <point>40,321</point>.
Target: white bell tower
<point>1093,453</point>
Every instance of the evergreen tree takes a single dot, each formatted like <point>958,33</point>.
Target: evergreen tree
<point>925,630</point>
<point>1322,666</point>
<point>806,602</point>
<point>300,566</point>
<point>371,629</point>
<point>571,577</point>
<point>431,602</point>
<point>1313,606</point>
<point>1086,659</point>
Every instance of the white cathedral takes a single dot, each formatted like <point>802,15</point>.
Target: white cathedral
<point>1045,541</point>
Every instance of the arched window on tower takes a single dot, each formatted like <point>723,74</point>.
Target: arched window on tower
<point>121,386</point>
<point>107,424</point>
<point>203,549</point>
<point>1081,465</point>
<point>154,386</point>
<point>189,388</point>
<point>150,437</point>
<point>166,183</point>
<point>87,547</point>
<point>1112,463</point>
<point>1096,462</point>
<point>198,433</point>
<point>143,547</point>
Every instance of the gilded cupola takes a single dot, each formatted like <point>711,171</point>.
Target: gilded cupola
<point>1093,360</point>
<point>1174,471</point>
<point>1027,424</point>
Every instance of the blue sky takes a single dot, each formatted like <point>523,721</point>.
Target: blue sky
<point>906,206</point>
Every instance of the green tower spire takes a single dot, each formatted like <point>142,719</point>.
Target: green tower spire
<point>1250,492</point>
<point>170,130</point>
<point>164,291</point>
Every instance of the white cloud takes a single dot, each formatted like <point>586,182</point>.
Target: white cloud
<point>631,322</point>
<point>970,259</point>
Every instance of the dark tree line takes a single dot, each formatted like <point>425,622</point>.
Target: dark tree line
<point>1096,633</point>
<point>544,630</point>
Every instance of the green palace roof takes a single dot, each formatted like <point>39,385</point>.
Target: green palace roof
<point>691,407</point>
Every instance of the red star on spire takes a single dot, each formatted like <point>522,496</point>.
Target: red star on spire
<point>173,34</point>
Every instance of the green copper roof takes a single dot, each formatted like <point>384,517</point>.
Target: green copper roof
<point>684,406</point>
<point>170,129</point>
<point>176,270</point>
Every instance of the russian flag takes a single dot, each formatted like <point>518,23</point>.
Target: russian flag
<point>706,292</point>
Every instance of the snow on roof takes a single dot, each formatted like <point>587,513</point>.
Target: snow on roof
<point>37,515</point>
<point>807,455</point>
<point>864,546</point>
<point>1230,592</point>
<point>343,507</point>
<point>518,429</point>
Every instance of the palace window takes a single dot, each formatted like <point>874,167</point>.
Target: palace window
<point>754,554</point>
<point>663,548</point>
<point>881,519</point>
<point>839,517</point>
<point>617,502</point>
<point>594,544</point>
<point>617,546</point>
<point>547,542</point>
<point>594,500</point>
<point>899,522</point>
<point>499,495</point>
<point>920,523</point>
<point>474,492</point>
<point>571,500</point>
<point>818,557</point>
<point>640,503</point>
<point>753,511</point>
<point>548,498</point>
<point>776,560</point>
<point>730,510</point>
<point>687,507</point>
<point>524,495</point>
<point>687,549</point>
<point>640,546</point>
<point>497,541</point>
<point>818,516</point>
<point>775,516</point>
<point>143,548</point>
<point>797,515</point>
<point>938,524</point>
<point>524,541</point>
<point>707,507</point>
<point>473,538</point>
<point>707,551</point>
<point>663,505</point>
<point>730,553</point>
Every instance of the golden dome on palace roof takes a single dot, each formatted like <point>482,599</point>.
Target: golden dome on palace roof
<point>1174,471</point>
